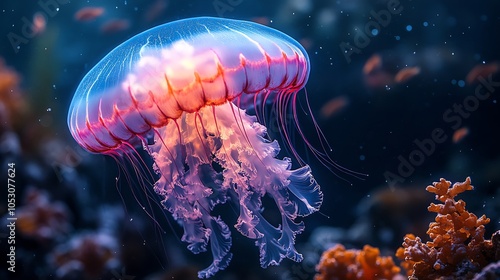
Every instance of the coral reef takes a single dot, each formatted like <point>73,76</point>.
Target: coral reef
<point>458,248</point>
<point>339,263</point>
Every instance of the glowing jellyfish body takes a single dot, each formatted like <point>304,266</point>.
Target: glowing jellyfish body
<point>180,83</point>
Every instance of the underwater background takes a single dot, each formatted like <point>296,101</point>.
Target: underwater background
<point>405,92</point>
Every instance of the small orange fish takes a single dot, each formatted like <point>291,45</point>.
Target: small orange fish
<point>39,23</point>
<point>334,106</point>
<point>481,70</point>
<point>459,134</point>
<point>89,13</point>
<point>372,64</point>
<point>406,74</point>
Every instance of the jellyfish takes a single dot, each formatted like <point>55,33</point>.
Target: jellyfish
<point>183,90</point>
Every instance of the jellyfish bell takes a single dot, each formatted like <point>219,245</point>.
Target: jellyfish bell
<point>180,89</point>
<point>231,58</point>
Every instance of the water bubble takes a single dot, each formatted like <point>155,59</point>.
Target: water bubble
<point>409,27</point>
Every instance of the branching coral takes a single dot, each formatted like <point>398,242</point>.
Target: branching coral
<point>367,264</point>
<point>458,247</point>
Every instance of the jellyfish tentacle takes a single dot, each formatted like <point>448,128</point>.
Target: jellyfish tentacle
<point>304,191</point>
<point>256,172</point>
<point>271,251</point>
<point>191,189</point>
<point>247,221</point>
<point>196,235</point>
<point>220,244</point>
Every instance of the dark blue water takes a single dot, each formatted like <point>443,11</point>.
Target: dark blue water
<point>397,130</point>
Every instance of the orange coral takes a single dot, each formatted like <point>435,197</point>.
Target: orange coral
<point>458,247</point>
<point>367,264</point>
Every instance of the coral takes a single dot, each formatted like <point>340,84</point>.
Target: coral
<point>366,264</point>
<point>88,255</point>
<point>41,218</point>
<point>491,271</point>
<point>458,248</point>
